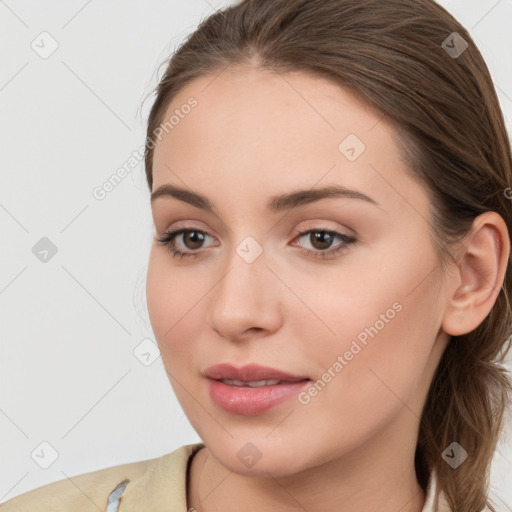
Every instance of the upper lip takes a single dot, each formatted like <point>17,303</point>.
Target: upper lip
<point>249,372</point>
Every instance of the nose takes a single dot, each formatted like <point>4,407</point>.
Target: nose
<point>246,301</point>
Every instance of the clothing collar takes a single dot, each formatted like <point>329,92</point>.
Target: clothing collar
<point>435,500</point>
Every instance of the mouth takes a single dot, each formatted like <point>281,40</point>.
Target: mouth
<point>252,389</point>
<point>251,400</point>
<point>253,374</point>
<point>256,383</point>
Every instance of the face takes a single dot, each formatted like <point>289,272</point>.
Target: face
<point>344,290</point>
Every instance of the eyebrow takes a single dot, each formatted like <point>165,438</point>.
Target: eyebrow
<point>276,204</point>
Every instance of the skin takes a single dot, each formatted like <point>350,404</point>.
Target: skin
<point>255,134</point>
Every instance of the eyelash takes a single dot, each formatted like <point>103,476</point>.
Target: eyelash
<point>167,240</point>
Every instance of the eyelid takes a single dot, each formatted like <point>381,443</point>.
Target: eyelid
<point>184,224</point>
<point>322,225</point>
<point>319,225</point>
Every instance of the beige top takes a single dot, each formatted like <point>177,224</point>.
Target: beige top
<point>154,485</point>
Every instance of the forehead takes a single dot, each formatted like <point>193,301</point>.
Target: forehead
<point>256,105</point>
<point>256,127</point>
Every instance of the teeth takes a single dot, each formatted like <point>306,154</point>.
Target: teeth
<point>252,384</point>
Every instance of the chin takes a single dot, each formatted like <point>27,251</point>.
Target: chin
<point>260,457</point>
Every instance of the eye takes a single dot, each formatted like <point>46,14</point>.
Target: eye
<point>192,238</point>
<point>322,239</point>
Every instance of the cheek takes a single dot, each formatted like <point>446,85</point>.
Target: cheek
<point>374,330</point>
<point>174,307</point>
<point>174,302</point>
<point>381,369</point>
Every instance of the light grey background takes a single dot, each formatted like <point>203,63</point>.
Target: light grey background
<point>69,326</point>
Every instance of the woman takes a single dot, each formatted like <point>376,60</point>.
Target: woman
<point>329,283</point>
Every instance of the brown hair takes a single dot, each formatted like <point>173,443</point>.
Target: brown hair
<point>402,58</point>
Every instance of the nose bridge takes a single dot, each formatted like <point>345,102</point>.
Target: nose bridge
<point>244,297</point>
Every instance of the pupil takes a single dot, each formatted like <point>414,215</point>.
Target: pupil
<point>318,237</point>
<point>195,238</point>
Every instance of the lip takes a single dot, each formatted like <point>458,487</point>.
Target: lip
<point>248,401</point>
<point>249,372</point>
<point>251,401</point>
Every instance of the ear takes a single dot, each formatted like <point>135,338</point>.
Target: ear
<point>476,283</point>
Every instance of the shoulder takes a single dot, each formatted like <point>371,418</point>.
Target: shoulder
<point>150,483</point>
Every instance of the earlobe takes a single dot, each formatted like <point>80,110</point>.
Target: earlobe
<point>479,276</point>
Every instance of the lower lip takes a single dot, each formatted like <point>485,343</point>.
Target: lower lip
<point>249,401</point>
